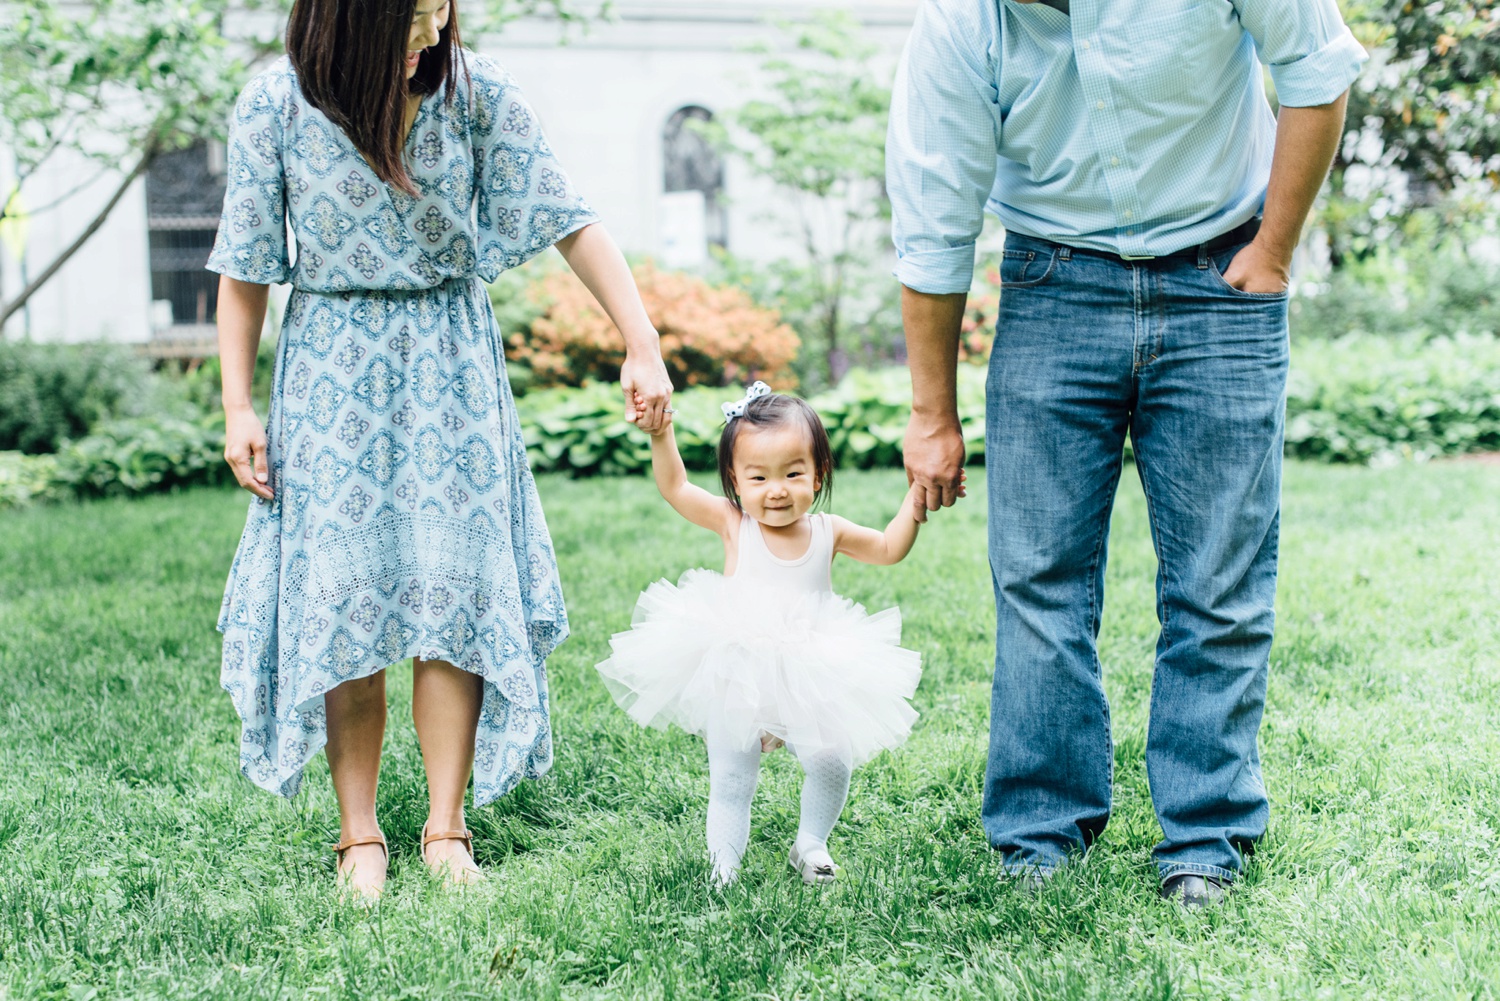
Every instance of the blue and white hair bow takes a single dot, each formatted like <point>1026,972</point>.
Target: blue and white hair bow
<point>754,391</point>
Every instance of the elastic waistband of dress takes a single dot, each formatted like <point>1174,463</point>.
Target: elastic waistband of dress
<point>451,286</point>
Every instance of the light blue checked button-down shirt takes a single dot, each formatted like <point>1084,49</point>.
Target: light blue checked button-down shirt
<point>1138,127</point>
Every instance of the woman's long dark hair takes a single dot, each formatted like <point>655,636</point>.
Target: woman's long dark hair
<point>350,58</point>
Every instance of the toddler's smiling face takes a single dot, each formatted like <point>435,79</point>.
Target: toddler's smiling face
<point>774,474</point>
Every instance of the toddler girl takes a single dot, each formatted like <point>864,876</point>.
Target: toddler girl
<point>766,652</point>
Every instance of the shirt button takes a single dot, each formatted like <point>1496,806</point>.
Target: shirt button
<point>1085,43</point>
<point>1129,214</point>
<point>1130,232</point>
<point>1099,105</point>
<point>1114,161</point>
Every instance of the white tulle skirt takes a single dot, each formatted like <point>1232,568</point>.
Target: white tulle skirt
<point>811,668</point>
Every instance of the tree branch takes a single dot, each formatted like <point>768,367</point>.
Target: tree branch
<point>32,166</point>
<point>10,197</point>
<point>10,308</point>
<point>54,203</point>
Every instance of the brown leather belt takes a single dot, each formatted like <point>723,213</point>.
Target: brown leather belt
<point>1243,233</point>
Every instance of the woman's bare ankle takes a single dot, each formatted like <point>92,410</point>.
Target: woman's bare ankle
<point>445,820</point>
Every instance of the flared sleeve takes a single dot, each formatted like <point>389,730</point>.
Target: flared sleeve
<point>524,200</point>
<point>251,244</point>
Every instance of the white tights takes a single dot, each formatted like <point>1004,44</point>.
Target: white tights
<point>732,774</point>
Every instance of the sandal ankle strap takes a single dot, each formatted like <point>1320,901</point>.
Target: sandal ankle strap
<point>367,839</point>
<point>466,837</point>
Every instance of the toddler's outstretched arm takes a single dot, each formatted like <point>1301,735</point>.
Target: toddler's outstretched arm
<point>882,548</point>
<point>692,502</point>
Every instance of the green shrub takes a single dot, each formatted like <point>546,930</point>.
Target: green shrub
<point>1363,398</point>
<point>199,389</point>
<point>143,454</point>
<point>27,478</point>
<point>866,415</point>
<point>1358,398</point>
<point>581,431</point>
<point>50,393</point>
<point>1440,293</point>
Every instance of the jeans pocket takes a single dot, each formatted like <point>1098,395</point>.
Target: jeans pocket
<point>1025,268</point>
<point>1223,284</point>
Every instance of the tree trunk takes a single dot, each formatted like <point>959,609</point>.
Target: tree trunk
<point>831,333</point>
<point>8,309</point>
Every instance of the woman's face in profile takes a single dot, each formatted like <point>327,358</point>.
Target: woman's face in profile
<point>426,24</point>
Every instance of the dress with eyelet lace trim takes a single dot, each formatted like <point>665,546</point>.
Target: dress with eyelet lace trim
<point>405,522</point>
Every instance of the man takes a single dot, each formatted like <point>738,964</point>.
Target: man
<point>1151,202</point>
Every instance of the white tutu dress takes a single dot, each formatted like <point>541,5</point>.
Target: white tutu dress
<point>770,649</point>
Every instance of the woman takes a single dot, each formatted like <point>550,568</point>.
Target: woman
<point>394,514</point>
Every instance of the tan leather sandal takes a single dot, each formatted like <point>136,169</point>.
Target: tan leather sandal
<point>348,843</point>
<point>467,838</point>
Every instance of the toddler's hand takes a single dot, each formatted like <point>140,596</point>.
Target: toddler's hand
<point>770,742</point>
<point>666,418</point>
<point>915,497</point>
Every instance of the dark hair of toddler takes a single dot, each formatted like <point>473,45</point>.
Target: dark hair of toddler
<point>777,410</point>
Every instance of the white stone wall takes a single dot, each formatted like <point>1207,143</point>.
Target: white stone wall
<point>605,95</point>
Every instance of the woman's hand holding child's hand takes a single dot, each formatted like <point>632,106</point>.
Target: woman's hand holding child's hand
<point>647,389</point>
<point>660,429</point>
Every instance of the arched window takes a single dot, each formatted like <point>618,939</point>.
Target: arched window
<point>689,165</point>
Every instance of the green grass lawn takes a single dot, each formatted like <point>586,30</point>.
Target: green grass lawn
<point>136,862</point>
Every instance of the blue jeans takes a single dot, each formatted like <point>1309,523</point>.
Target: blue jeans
<point>1089,348</point>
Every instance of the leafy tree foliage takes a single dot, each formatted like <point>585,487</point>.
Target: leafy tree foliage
<point>819,135</point>
<point>1422,154</point>
<point>1435,86</point>
<point>119,81</point>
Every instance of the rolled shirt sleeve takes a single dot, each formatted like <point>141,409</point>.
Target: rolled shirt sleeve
<point>1312,55</point>
<point>942,144</point>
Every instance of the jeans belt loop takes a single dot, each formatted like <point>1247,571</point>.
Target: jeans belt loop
<point>1202,257</point>
<point>1064,252</point>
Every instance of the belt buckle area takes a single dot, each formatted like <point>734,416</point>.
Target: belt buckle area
<point>1137,257</point>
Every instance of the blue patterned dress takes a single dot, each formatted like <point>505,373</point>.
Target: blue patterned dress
<point>405,522</point>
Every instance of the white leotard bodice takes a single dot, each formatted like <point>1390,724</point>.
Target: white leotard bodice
<point>759,567</point>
